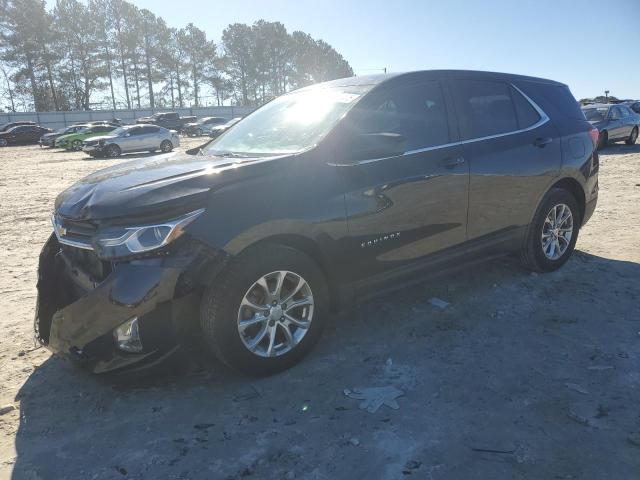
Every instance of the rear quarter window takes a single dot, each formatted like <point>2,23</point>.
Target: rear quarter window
<point>554,99</point>
<point>527,115</point>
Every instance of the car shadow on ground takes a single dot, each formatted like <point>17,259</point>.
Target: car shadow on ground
<point>526,375</point>
<point>619,149</point>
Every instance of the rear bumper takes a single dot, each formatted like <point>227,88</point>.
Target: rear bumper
<point>76,315</point>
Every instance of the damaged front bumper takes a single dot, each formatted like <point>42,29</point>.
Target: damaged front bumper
<point>82,300</point>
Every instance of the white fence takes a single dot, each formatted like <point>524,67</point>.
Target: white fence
<point>56,120</point>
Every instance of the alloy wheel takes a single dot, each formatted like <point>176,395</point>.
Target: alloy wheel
<point>557,231</point>
<point>275,314</point>
<point>166,146</point>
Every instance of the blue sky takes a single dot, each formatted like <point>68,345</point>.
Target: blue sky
<point>590,45</point>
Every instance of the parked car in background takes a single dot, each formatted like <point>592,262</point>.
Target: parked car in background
<point>635,106</point>
<point>203,126</point>
<point>168,120</point>
<point>7,126</point>
<point>49,139</point>
<point>218,130</point>
<point>326,194</point>
<point>73,141</point>
<point>22,134</point>
<point>614,122</point>
<point>132,138</point>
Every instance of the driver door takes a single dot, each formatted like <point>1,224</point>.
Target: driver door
<point>403,208</point>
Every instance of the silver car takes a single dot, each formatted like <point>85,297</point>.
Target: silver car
<point>132,138</point>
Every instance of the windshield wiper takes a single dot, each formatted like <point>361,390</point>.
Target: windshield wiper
<point>230,154</point>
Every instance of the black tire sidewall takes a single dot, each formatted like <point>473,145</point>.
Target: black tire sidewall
<point>221,301</point>
<point>112,148</point>
<point>603,139</point>
<point>554,197</point>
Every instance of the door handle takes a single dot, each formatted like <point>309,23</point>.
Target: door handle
<point>542,142</point>
<point>452,162</point>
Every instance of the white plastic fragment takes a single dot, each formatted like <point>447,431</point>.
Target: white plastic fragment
<point>439,303</point>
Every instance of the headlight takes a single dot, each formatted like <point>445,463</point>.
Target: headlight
<point>127,241</point>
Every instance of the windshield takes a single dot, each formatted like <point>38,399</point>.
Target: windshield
<point>289,124</point>
<point>595,114</point>
<point>119,131</point>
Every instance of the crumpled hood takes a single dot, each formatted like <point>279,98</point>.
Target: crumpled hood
<point>158,186</point>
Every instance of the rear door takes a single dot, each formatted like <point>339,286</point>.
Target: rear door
<point>148,138</point>
<point>616,126</point>
<point>513,152</point>
<point>405,207</point>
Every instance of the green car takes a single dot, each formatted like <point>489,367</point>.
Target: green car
<point>73,141</point>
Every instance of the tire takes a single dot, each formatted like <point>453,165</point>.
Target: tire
<point>221,310</point>
<point>166,146</point>
<point>3,142</point>
<point>603,139</point>
<point>76,145</point>
<point>112,151</point>
<point>533,252</point>
<point>633,137</point>
<point>199,132</point>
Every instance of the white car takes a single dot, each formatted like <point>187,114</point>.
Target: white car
<point>132,138</point>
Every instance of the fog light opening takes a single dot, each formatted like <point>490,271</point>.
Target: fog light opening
<point>127,336</point>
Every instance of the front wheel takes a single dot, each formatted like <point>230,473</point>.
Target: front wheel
<point>266,310</point>
<point>633,137</point>
<point>199,132</point>
<point>552,235</point>
<point>112,151</point>
<point>166,146</point>
<point>76,145</point>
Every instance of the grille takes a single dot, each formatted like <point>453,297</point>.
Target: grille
<point>75,234</point>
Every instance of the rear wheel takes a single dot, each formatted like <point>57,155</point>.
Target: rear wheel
<point>633,137</point>
<point>199,132</point>
<point>603,139</point>
<point>266,310</point>
<point>3,142</point>
<point>166,146</point>
<point>112,151</point>
<point>552,235</point>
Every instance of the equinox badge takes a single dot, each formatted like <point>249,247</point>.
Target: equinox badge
<point>375,241</point>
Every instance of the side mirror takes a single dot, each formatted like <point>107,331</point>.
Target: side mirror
<point>368,146</point>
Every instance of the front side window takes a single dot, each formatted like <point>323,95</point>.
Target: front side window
<point>290,124</point>
<point>484,108</point>
<point>417,112</point>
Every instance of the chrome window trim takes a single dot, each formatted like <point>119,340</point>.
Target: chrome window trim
<point>544,118</point>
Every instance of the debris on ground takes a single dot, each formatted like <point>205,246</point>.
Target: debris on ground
<point>577,388</point>
<point>576,417</point>
<point>439,303</point>
<point>601,368</point>
<point>6,409</point>
<point>373,398</point>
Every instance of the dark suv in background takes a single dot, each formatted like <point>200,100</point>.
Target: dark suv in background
<point>325,195</point>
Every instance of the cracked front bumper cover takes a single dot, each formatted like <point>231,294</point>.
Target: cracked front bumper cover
<point>77,313</point>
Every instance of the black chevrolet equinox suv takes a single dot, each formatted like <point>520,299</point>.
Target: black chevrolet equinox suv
<point>327,194</point>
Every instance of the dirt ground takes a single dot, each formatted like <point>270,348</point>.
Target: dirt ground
<point>521,376</point>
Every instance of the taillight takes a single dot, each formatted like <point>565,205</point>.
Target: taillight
<point>595,135</point>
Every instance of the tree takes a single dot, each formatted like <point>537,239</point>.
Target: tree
<point>200,54</point>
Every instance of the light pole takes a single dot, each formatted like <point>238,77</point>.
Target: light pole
<point>606,96</point>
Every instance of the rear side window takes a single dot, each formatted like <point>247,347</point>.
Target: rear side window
<point>484,108</point>
<point>554,98</point>
<point>417,112</point>
<point>527,115</point>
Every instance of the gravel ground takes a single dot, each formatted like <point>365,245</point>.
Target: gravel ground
<point>521,376</point>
